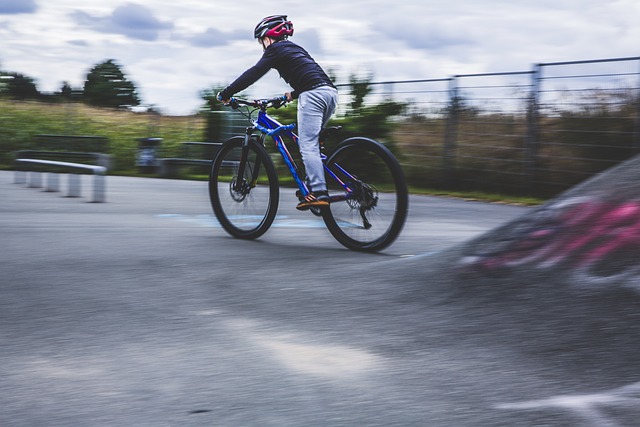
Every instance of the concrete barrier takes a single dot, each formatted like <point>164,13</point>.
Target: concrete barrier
<point>34,177</point>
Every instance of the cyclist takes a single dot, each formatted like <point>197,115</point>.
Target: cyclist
<point>316,94</point>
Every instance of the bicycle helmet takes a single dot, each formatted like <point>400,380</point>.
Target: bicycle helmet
<point>275,26</point>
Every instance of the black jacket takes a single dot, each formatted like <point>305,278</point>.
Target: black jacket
<point>294,64</point>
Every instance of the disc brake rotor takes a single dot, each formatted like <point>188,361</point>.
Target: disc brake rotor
<point>240,193</point>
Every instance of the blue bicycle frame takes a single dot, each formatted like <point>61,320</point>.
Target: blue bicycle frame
<point>271,127</point>
<point>359,222</point>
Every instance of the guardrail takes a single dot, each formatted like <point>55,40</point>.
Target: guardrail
<point>32,177</point>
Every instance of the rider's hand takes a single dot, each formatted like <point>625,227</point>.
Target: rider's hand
<point>219,98</point>
<point>289,97</point>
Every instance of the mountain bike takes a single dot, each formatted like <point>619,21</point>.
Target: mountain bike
<point>367,189</point>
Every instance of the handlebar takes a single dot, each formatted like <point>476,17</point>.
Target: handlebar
<point>263,104</point>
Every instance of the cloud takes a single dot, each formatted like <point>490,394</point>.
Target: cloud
<point>11,7</point>
<point>131,20</point>
<point>80,43</point>
<point>175,49</point>
<point>213,37</point>
<point>310,40</point>
<point>431,33</point>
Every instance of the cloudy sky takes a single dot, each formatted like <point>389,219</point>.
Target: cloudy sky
<point>173,49</point>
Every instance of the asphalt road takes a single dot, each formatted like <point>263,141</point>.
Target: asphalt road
<point>142,312</point>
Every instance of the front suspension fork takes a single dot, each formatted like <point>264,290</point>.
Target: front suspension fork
<point>242,185</point>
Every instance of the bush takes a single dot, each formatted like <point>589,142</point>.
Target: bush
<point>20,121</point>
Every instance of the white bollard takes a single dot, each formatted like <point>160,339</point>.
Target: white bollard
<point>74,185</point>
<point>35,179</point>
<point>20,177</point>
<point>99,184</point>
<point>53,182</point>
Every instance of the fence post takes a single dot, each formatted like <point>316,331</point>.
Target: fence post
<point>636,129</point>
<point>531,138</point>
<point>387,91</point>
<point>450,136</point>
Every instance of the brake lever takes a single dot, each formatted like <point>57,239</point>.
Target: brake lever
<point>233,103</point>
<point>280,101</point>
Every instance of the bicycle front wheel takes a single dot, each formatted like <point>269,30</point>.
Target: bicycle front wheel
<point>245,205</point>
<point>371,213</point>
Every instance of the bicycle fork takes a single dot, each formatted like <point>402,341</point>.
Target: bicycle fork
<point>241,185</point>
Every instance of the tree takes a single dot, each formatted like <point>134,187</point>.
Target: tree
<point>107,86</point>
<point>18,86</point>
<point>66,91</point>
<point>219,117</point>
<point>360,88</point>
<point>214,114</point>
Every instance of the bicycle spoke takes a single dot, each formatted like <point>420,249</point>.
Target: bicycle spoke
<point>371,216</point>
<point>245,205</point>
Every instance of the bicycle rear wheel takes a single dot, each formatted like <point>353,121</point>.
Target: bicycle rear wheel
<point>244,205</point>
<point>373,213</point>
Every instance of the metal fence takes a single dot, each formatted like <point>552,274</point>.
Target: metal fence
<point>533,132</point>
<point>527,132</point>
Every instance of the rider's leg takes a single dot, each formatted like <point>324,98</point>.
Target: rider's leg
<point>315,108</point>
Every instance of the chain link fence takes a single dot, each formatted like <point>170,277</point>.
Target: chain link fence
<point>535,132</point>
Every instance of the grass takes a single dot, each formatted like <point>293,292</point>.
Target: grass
<point>20,121</point>
<point>480,196</point>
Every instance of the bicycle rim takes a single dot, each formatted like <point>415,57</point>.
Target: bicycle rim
<point>245,206</point>
<point>372,218</point>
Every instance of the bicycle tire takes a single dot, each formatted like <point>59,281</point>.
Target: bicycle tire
<point>380,194</point>
<point>247,212</point>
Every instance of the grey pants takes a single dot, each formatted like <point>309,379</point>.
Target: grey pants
<point>315,108</point>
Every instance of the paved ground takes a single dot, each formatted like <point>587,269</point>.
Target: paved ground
<point>141,311</point>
